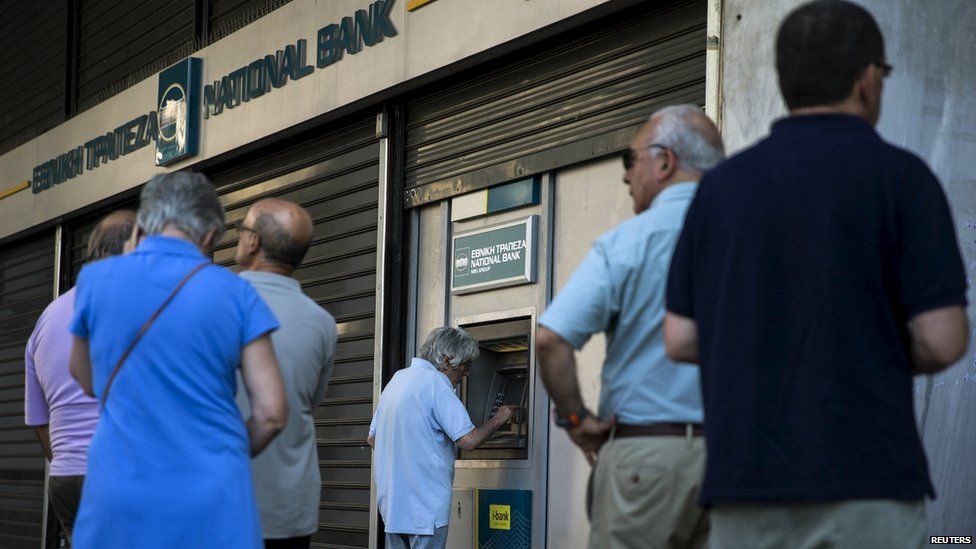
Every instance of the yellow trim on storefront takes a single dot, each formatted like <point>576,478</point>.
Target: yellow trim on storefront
<point>414,4</point>
<point>15,189</point>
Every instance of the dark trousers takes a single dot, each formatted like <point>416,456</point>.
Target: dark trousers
<point>288,543</point>
<point>65,496</point>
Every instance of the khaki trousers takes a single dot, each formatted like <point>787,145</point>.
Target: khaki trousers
<point>867,524</point>
<point>645,494</point>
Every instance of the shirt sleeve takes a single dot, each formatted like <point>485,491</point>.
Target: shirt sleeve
<point>679,295</point>
<point>330,337</point>
<point>35,404</point>
<point>372,424</point>
<point>587,304</point>
<point>931,269</point>
<point>258,319</point>
<point>81,316</point>
<point>451,415</point>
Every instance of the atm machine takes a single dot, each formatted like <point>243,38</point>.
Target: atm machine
<point>495,484</point>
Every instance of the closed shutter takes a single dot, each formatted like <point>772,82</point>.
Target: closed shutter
<point>77,248</point>
<point>122,41</point>
<point>227,16</point>
<point>336,179</point>
<point>573,100</point>
<point>32,53</point>
<point>26,287</point>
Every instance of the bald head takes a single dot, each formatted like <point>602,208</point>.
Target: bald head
<point>284,229</point>
<point>687,131</point>
<point>110,234</point>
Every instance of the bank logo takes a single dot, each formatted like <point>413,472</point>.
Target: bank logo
<point>500,517</point>
<point>172,115</point>
<point>179,117</point>
<point>461,261</point>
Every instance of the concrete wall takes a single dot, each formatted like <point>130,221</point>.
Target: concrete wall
<point>429,38</point>
<point>929,108</point>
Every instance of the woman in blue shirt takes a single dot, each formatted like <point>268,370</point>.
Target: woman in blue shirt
<point>169,464</point>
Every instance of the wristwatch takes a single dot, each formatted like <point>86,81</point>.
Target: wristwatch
<point>573,420</point>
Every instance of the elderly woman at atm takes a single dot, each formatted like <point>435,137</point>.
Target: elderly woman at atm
<point>417,423</point>
<point>159,335</point>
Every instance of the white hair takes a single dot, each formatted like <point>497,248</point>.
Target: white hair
<point>453,345</point>
<point>183,200</point>
<point>677,131</point>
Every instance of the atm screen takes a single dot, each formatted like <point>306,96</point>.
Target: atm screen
<point>510,393</point>
<point>509,387</point>
<point>514,387</point>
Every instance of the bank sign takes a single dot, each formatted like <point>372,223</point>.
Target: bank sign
<point>495,256</point>
<point>174,125</point>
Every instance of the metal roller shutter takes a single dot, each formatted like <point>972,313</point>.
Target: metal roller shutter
<point>226,16</point>
<point>26,288</point>
<point>336,179</point>
<point>77,246</point>
<point>572,101</point>
<point>32,94</point>
<point>123,41</point>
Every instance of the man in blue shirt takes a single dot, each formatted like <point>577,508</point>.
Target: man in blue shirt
<point>646,479</point>
<point>415,428</point>
<point>816,273</point>
<point>169,463</point>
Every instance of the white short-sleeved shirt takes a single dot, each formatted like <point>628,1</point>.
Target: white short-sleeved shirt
<point>416,423</point>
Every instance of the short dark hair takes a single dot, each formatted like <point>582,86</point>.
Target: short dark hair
<point>277,243</point>
<point>109,236</point>
<point>822,48</point>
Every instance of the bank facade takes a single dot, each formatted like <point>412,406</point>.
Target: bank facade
<point>458,159</point>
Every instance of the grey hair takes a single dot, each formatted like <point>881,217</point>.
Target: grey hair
<point>451,344</point>
<point>677,130</point>
<point>182,200</point>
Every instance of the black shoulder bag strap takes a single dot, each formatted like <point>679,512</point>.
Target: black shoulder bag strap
<point>145,327</point>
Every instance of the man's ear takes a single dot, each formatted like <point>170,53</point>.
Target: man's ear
<point>252,243</point>
<point>668,165</point>
<point>208,239</point>
<point>866,85</point>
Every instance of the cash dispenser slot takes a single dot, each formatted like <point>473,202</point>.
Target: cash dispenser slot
<point>501,376</point>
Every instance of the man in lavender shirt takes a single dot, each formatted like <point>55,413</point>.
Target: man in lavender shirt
<point>54,404</point>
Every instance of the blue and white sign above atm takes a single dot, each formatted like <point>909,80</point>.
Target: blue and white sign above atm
<point>175,124</point>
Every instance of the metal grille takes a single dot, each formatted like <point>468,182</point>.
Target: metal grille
<point>336,179</point>
<point>26,287</point>
<point>226,16</point>
<point>119,38</point>
<point>77,244</point>
<point>574,100</point>
<point>32,94</point>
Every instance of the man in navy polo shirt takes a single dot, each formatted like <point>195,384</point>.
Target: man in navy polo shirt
<point>816,273</point>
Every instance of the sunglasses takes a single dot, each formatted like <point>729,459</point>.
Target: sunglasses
<point>886,69</point>
<point>630,158</point>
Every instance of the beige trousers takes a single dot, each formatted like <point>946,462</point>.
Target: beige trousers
<point>868,524</point>
<point>645,494</point>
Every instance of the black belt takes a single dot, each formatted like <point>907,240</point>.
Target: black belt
<point>624,430</point>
